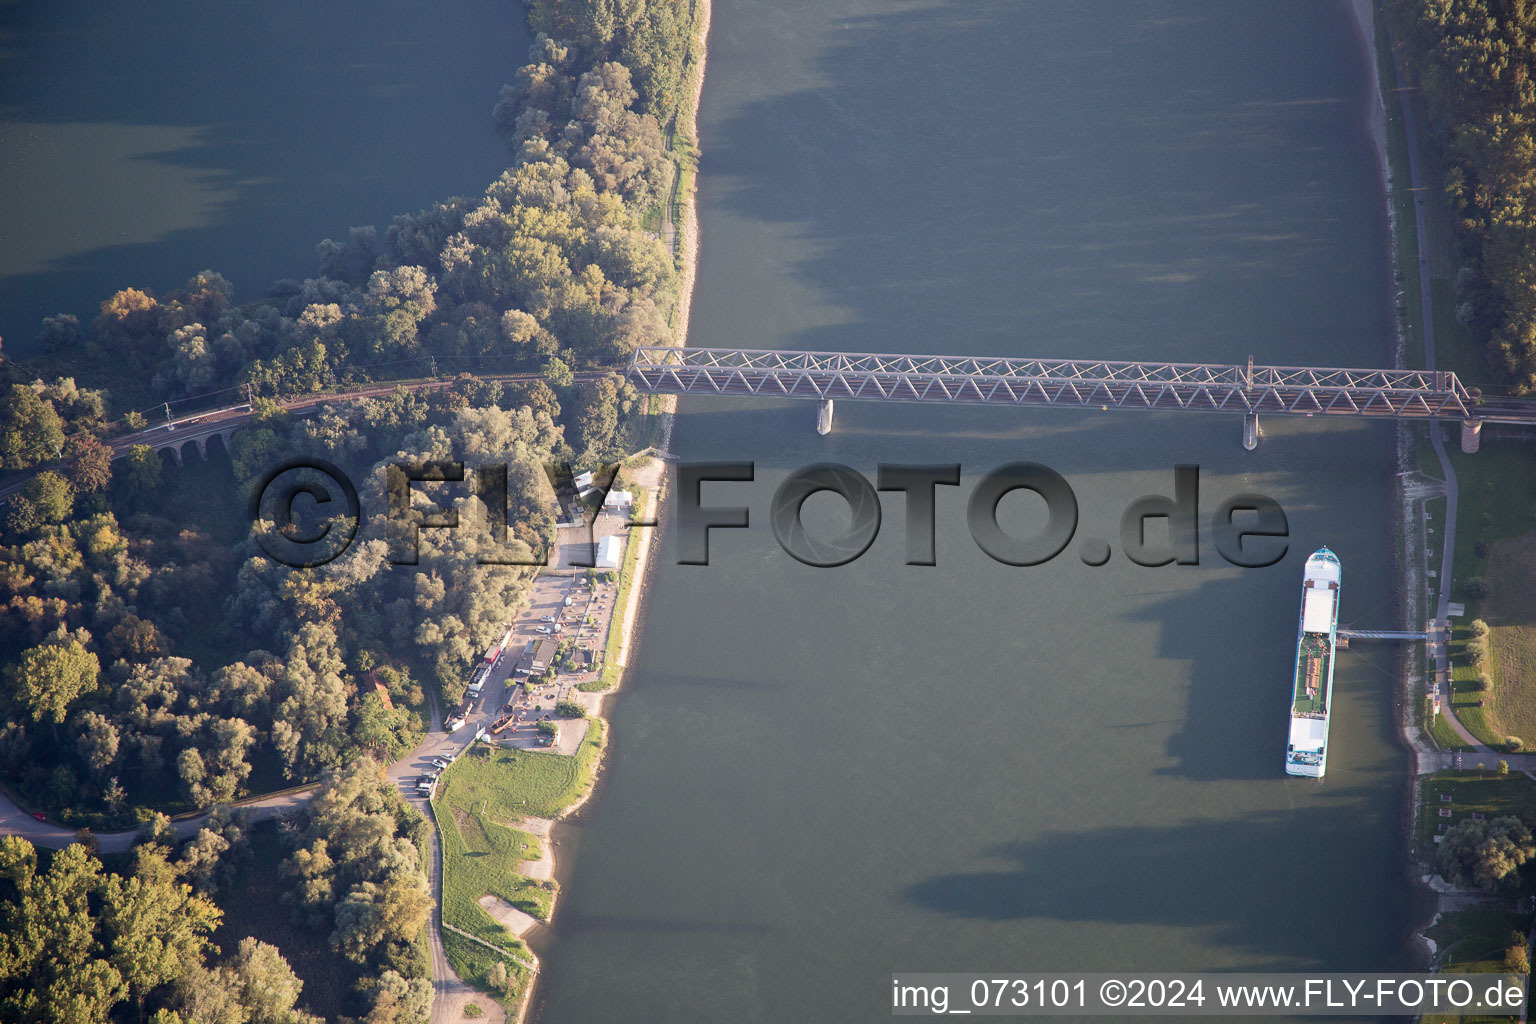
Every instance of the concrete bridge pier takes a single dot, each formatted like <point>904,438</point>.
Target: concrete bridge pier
<point>1251,433</point>
<point>1471,434</point>
<point>824,417</point>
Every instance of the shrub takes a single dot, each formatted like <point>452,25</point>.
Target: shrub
<point>1480,549</point>
<point>569,709</point>
<point>1514,744</point>
<point>1477,650</point>
<point>1478,628</point>
<point>1503,767</point>
<point>1485,520</point>
<point>1476,588</point>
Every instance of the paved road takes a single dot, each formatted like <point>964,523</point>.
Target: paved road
<point>1427,317</point>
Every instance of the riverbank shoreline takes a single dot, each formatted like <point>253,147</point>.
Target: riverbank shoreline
<point>1412,542</point>
<point>636,584</point>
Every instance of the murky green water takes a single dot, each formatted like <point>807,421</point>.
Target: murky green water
<point>823,776</point>
<point>141,142</point>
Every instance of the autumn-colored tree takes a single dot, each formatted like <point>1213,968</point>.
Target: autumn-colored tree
<point>91,467</point>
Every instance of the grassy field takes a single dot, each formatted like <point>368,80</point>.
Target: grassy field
<point>481,798</point>
<point>1485,792</point>
<point>1444,736</point>
<point>1510,612</point>
<point>1473,942</point>
<point>1497,484</point>
<point>1465,692</point>
<point>503,784</point>
<point>484,857</point>
<point>472,962</point>
<point>1498,488</point>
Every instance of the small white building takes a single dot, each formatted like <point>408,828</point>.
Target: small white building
<point>610,550</point>
<point>582,481</point>
<point>618,499</point>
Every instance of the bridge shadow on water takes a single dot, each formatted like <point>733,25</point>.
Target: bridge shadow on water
<point>1218,876</point>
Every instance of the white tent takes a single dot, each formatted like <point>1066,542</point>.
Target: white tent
<point>609,550</point>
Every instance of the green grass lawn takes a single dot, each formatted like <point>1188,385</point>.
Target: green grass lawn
<point>1444,736</point>
<point>1486,792</point>
<point>1466,693</point>
<point>482,856</point>
<point>1511,615</point>
<point>1473,942</point>
<point>1498,490</point>
<point>480,799</point>
<point>472,962</point>
<point>503,784</point>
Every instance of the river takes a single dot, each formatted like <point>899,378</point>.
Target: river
<point>822,776</point>
<point>142,141</point>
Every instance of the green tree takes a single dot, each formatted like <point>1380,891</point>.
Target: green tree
<point>30,429</point>
<point>594,419</point>
<point>1487,853</point>
<point>159,926</point>
<point>53,675</point>
<point>140,477</point>
<point>53,964</point>
<point>558,374</point>
<point>254,452</point>
<point>52,497</point>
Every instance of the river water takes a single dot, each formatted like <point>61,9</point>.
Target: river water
<point>822,776</point>
<point>144,140</point>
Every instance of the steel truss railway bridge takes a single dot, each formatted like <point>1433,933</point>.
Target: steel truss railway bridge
<point>1245,390</point>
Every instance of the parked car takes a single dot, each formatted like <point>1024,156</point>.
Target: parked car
<point>440,762</point>
<point>548,618</point>
<point>545,629</point>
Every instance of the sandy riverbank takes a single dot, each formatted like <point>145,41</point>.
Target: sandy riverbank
<point>598,703</point>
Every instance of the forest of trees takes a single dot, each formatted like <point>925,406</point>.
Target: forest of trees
<point>153,660</point>
<point>80,944</point>
<point>107,714</point>
<point>1475,61</point>
<point>114,702</point>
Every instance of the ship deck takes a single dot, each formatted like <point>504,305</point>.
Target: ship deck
<point>1312,666</point>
